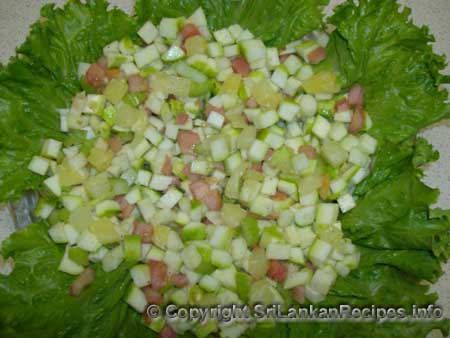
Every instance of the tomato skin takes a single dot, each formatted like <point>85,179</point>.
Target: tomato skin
<point>309,151</point>
<point>189,30</point>
<point>240,66</point>
<point>213,200</point>
<point>199,190</point>
<point>158,274</point>
<point>191,176</point>
<point>357,122</point>
<point>187,140</point>
<point>115,143</point>
<point>137,83</point>
<point>280,196</point>
<point>356,96</point>
<point>277,271</point>
<point>317,55</point>
<point>153,296</point>
<point>95,76</point>
<point>179,280</point>
<point>167,166</point>
<point>181,119</point>
<point>167,332</point>
<point>210,108</point>
<point>298,293</point>
<point>144,230</point>
<point>342,105</point>
<point>125,208</point>
<point>83,280</point>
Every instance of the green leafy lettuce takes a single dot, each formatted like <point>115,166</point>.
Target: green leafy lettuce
<point>401,240</point>
<point>376,44</point>
<point>44,79</point>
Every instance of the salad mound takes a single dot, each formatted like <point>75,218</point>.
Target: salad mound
<point>212,162</point>
<point>218,165</point>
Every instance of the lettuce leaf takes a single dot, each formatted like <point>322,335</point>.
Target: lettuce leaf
<point>34,299</point>
<point>77,33</point>
<point>377,45</point>
<point>44,79</point>
<point>276,22</point>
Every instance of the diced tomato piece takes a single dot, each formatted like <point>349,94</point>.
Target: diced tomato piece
<point>158,274</point>
<point>176,181</point>
<point>85,279</point>
<point>181,118</point>
<point>125,208</point>
<point>153,296</point>
<point>144,230</point>
<point>167,166</point>
<point>324,190</point>
<point>137,83</point>
<point>257,167</point>
<point>357,122</point>
<point>189,30</point>
<point>95,76</point>
<point>192,177</point>
<point>114,73</point>
<point>103,62</point>
<point>251,103</point>
<point>213,200</point>
<point>240,66</point>
<point>115,143</point>
<point>356,96</point>
<point>199,190</point>
<point>280,196</point>
<point>317,55</point>
<point>342,105</point>
<point>277,271</point>
<point>210,108</point>
<point>187,140</point>
<point>167,332</point>
<point>179,280</point>
<point>309,151</point>
<point>284,57</point>
<point>298,293</point>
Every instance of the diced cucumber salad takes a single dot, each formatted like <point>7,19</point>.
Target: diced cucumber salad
<point>215,164</point>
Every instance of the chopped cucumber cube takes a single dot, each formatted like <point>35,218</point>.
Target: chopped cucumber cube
<point>112,259</point>
<point>288,110</point>
<point>319,252</point>
<point>148,32</point>
<point>278,251</point>
<point>258,151</point>
<point>321,127</point>
<point>141,275</point>
<point>136,298</point>
<point>168,28</point>
<point>39,165</point>
<point>301,277</point>
<point>69,266</point>
<point>170,198</point>
<point>223,36</point>
<point>346,202</point>
<point>146,56</point>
